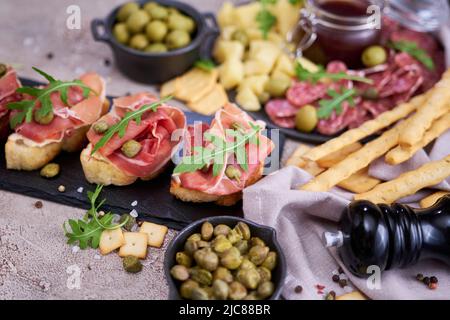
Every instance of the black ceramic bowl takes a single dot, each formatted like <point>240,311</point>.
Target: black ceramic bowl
<point>267,234</point>
<point>154,68</point>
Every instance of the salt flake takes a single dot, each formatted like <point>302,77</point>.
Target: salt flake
<point>134,203</point>
<point>80,190</point>
<point>134,213</point>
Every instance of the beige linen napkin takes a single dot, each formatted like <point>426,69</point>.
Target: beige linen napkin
<point>301,217</point>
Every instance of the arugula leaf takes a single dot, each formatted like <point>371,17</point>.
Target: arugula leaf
<point>205,64</point>
<point>121,127</point>
<point>314,77</point>
<point>295,2</point>
<point>327,106</point>
<point>87,231</point>
<point>42,95</point>
<point>414,51</point>
<point>203,157</point>
<point>265,19</point>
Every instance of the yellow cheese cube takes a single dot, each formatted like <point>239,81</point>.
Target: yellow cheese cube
<point>231,73</point>
<point>247,99</point>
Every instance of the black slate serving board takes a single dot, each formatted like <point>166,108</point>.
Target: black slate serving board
<point>154,202</point>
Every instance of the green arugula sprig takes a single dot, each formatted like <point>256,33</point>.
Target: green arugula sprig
<point>205,64</point>
<point>121,126</point>
<point>327,106</point>
<point>42,95</point>
<point>265,19</point>
<point>87,231</point>
<point>203,157</point>
<point>414,51</point>
<point>305,75</point>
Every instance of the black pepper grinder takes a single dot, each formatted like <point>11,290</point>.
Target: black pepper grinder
<point>391,236</point>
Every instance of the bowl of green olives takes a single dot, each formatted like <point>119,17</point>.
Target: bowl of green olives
<point>225,258</point>
<point>154,41</point>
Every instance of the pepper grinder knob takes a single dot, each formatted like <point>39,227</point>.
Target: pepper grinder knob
<point>333,239</point>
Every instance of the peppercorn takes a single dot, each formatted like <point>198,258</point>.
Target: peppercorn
<point>335,278</point>
<point>50,55</point>
<point>426,280</point>
<point>38,205</point>
<point>107,62</point>
<point>342,283</point>
<point>61,188</point>
<point>434,279</point>
<point>433,286</point>
<point>298,289</point>
<point>419,277</point>
<point>340,270</point>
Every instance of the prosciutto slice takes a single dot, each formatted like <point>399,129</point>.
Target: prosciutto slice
<point>77,113</point>
<point>204,180</point>
<point>159,133</point>
<point>9,83</point>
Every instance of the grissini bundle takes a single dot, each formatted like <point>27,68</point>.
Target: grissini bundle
<point>221,159</point>
<point>9,83</point>
<point>135,140</point>
<point>53,118</point>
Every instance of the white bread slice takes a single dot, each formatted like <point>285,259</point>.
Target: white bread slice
<point>188,195</point>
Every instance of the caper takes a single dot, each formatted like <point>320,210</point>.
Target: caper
<point>50,170</point>
<point>237,291</point>
<point>247,264</point>
<point>131,221</point>
<point>241,36</point>
<point>203,244</point>
<point>156,31</point>
<point>100,127</point>
<point>220,289</point>
<point>258,254</point>
<point>243,229</point>
<point>264,273</point>
<point>158,12</point>
<point>137,21</point>
<point>131,148</point>
<point>233,236</point>
<point>224,274</point>
<point>179,272</point>
<point>183,259</point>
<point>139,41</point>
<point>250,278</point>
<point>187,287</point>
<point>206,259</point>
<point>373,56</point>
<point>271,261</point>
<point>221,229</point>
<point>233,173</point>
<point>201,276</point>
<point>177,39</point>
<point>190,247</point>
<point>126,10</point>
<point>150,5</point>
<point>231,258</point>
<point>221,244</point>
<point>242,246</point>
<point>121,33</point>
<point>256,241</point>
<point>3,69</point>
<point>43,119</point>
<point>156,48</point>
<point>306,118</point>
<point>194,237</point>
<point>277,86</point>
<point>181,22</point>
<point>252,296</point>
<point>132,264</point>
<point>265,289</point>
<point>199,294</point>
<point>207,231</point>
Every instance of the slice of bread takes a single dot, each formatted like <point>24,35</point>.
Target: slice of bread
<point>189,195</point>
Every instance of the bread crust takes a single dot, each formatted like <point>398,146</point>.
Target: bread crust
<point>76,141</point>
<point>20,156</point>
<point>188,195</point>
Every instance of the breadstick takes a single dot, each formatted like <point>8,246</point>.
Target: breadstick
<point>435,106</point>
<point>356,161</point>
<point>370,127</point>
<point>336,157</point>
<point>401,154</point>
<point>359,182</point>
<point>409,182</point>
<point>432,199</point>
<point>309,166</point>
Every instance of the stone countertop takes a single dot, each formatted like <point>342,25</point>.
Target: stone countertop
<point>35,261</point>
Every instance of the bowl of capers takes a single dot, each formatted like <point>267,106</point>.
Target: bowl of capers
<point>154,41</point>
<point>225,258</point>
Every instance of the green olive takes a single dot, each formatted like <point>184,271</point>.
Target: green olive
<point>183,259</point>
<point>195,237</point>
<point>201,276</point>
<point>234,236</point>
<point>156,31</point>
<point>187,287</point>
<point>243,229</point>
<point>100,127</point>
<point>126,10</point>
<point>250,278</point>
<point>177,39</point>
<point>265,274</point>
<point>158,12</point>
<point>221,244</point>
<point>207,231</point>
<point>271,260</point>
<point>3,69</point>
<point>44,120</point>
<point>241,36</point>
<point>131,148</point>
<point>190,247</point>
<point>50,170</point>
<point>258,254</point>
<point>247,264</point>
<point>242,246</point>
<point>132,264</point>
<point>237,291</point>
<point>203,244</point>
<point>231,259</point>
<point>265,289</point>
<point>373,56</point>
<point>206,259</point>
<point>137,21</point>
<point>139,41</point>
<point>220,289</point>
<point>306,118</point>
<point>179,272</point>
<point>224,274</point>
<point>233,173</point>
<point>173,10</point>
<point>156,48</point>
<point>181,22</point>
<point>199,294</point>
<point>277,86</point>
<point>256,241</point>
<point>121,33</point>
<point>221,229</point>
<point>150,5</point>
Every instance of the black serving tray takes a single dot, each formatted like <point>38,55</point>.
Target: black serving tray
<point>154,201</point>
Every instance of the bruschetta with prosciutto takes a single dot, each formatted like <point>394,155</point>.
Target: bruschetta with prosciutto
<point>135,140</point>
<point>53,118</point>
<point>9,83</point>
<point>221,159</point>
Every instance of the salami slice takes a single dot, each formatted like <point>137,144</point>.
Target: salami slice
<point>302,93</point>
<point>281,112</point>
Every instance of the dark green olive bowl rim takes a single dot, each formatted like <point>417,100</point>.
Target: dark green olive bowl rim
<point>267,234</point>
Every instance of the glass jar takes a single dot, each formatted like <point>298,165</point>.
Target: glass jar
<point>337,30</point>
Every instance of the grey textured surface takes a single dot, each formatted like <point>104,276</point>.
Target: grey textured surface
<point>35,261</point>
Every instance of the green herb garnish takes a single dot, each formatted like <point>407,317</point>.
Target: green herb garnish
<point>314,77</point>
<point>205,64</point>
<point>414,51</point>
<point>203,157</point>
<point>295,2</point>
<point>87,231</point>
<point>327,106</point>
<point>266,20</point>
<point>121,126</point>
<point>26,107</point>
